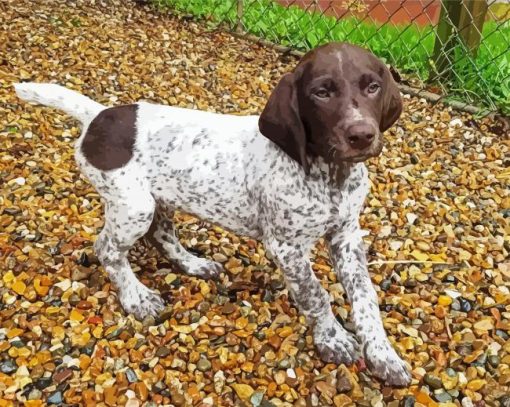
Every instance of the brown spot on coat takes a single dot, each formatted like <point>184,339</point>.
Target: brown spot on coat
<point>110,138</point>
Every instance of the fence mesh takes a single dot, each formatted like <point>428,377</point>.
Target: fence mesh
<point>458,49</point>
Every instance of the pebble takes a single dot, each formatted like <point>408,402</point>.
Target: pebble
<point>8,366</point>
<point>443,397</point>
<point>204,365</point>
<point>284,364</point>
<point>80,273</point>
<point>55,398</point>
<point>228,308</point>
<point>408,401</point>
<point>62,375</point>
<point>244,391</point>
<point>326,389</point>
<point>465,305</point>
<point>476,384</point>
<point>256,398</point>
<point>444,300</point>
<point>343,385</point>
<point>385,284</point>
<point>279,377</point>
<point>35,394</point>
<point>43,383</point>
<point>162,352</point>
<point>433,381</point>
<point>456,305</point>
<point>131,376</point>
<point>467,402</point>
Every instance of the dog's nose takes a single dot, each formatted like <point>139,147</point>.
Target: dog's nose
<point>360,136</point>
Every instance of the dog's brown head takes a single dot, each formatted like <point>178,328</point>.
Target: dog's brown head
<point>336,104</point>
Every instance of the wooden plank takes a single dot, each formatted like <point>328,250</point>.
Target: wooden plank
<point>471,23</point>
<point>446,37</point>
<point>240,10</point>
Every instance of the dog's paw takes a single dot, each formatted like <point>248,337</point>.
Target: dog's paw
<point>141,301</point>
<point>334,343</point>
<point>203,268</point>
<point>384,362</point>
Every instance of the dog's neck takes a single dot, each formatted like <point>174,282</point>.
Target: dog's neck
<point>333,173</point>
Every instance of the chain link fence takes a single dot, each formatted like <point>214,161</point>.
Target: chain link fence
<point>454,50</point>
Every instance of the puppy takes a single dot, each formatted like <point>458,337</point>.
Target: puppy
<point>286,177</point>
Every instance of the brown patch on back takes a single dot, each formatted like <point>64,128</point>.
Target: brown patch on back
<point>110,138</point>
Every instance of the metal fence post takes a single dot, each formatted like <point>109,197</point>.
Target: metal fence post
<point>239,22</point>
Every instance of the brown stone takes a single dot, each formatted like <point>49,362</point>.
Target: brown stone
<point>62,375</point>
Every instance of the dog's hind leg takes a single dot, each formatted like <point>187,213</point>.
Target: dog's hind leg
<point>162,236</point>
<point>129,213</point>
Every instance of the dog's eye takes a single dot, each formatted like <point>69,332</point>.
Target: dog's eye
<point>322,93</point>
<point>373,87</point>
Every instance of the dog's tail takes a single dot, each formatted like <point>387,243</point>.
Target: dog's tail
<point>71,102</point>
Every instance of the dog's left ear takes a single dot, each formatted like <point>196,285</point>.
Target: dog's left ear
<point>392,103</point>
<point>281,122</point>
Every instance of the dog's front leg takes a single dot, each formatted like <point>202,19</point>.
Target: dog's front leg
<point>333,342</point>
<point>348,255</point>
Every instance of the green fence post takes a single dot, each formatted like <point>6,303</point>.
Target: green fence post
<point>446,37</point>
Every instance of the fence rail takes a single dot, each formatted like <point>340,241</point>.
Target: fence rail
<point>457,49</point>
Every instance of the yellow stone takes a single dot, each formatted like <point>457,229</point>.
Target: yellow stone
<point>484,324</point>
<point>8,277</point>
<point>24,352</point>
<point>448,381</point>
<point>103,377</point>
<point>444,300</point>
<point>285,331</point>
<point>58,332</point>
<point>43,356</point>
<point>14,332</point>
<point>84,362</point>
<point>19,287</point>
<point>76,316</point>
<point>418,255</point>
<point>33,403</point>
<point>204,288</point>
<point>52,310</point>
<point>342,400</point>
<point>183,329</point>
<point>97,332</point>
<point>241,322</point>
<point>81,340</point>
<point>244,391</point>
<point>170,278</point>
<point>476,384</point>
<point>24,381</point>
<point>247,366</point>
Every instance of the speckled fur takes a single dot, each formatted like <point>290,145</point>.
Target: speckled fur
<point>220,168</point>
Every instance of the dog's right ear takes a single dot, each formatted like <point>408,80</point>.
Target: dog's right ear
<point>281,123</point>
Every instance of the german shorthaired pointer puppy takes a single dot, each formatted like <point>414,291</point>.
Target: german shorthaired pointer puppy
<point>288,177</point>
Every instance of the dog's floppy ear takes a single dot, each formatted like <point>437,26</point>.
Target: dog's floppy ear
<point>392,103</point>
<point>281,123</point>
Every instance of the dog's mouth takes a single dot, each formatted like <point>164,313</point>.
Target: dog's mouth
<point>358,156</point>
